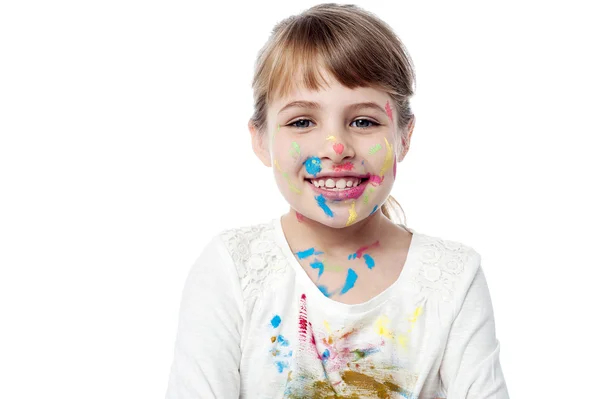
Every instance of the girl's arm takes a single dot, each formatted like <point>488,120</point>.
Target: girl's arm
<point>207,348</point>
<point>471,365</point>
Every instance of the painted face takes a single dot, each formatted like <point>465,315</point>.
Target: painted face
<point>334,154</point>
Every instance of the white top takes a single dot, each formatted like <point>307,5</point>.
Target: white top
<point>252,324</point>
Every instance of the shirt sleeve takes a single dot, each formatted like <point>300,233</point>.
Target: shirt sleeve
<point>207,347</point>
<point>470,367</point>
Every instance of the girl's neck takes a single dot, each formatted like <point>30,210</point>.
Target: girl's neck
<point>309,233</point>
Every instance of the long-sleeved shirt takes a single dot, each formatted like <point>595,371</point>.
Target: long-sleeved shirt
<point>252,324</point>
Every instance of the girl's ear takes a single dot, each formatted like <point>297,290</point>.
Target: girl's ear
<point>259,144</point>
<point>404,143</point>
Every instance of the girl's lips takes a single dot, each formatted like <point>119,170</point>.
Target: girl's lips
<point>339,195</point>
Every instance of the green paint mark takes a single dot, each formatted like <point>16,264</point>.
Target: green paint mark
<point>369,191</point>
<point>295,150</point>
<point>374,149</point>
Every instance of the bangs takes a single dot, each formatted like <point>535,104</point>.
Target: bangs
<point>300,62</point>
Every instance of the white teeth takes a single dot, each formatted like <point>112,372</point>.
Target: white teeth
<point>338,183</point>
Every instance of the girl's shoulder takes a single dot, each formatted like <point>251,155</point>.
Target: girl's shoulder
<point>443,267</point>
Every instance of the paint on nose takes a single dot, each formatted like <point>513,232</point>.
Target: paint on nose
<point>338,148</point>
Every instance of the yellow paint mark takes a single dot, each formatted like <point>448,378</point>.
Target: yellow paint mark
<point>273,339</point>
<point>330,138</point>
<point>416,314</point>
<point>352,217</point>
<point>402,340</point>
<point>287,179</point>
<point>327,326</point>
<point>381,326</point>
<point>388,162</point>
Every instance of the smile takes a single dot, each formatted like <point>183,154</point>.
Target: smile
<point>339,188</point>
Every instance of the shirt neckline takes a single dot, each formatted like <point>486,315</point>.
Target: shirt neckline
<point>316,294</point>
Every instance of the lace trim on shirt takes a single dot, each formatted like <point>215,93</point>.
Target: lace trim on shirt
<point>440,264</point>
<point>256,255</point>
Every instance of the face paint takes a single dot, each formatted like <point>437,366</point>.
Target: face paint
<point>374,149</point>
<point>287,179</point>
<point>352,217</point>
<point>350,281</point>
<point>375,180</point>
<point>307,253</point>
<point>325,292</point>
<point>299,217</point>
<point>366,197</point>
<point>321,202</point>
<point>388,110</point>
<point>295,150</point>
<point>313,165</point>
<point>317,264</point>
<point>388,159</point>
<point>346,167</point>
<point>395,163</point>
<point>331,268</point>
<point>373,211</point>
<point>369,261</point>
<point>330,138</point>
<point>338,148</point>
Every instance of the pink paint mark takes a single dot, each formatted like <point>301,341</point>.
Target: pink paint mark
<point>375,180</point>
<point>338,148</point>
<point>299,216</point>
<point>303,320</point>
<point>388,110</point>
<point>361,250</point>
<point>394,167</point>
<point>344,167</point>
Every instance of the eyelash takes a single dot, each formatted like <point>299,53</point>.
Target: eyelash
<point>374,124</point>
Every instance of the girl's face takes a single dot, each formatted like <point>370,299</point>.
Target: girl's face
<point>333,151</point>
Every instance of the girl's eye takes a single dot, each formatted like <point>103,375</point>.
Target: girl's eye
<point>373,123</point>
<point>294,124</point>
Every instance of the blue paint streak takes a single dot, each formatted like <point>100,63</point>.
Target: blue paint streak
<point>374,209</point>
<point>282,341</point>
<point>369,260</point>
<point>275,321</point>
<point>350,280</point>
<point>321,201</point>
<point>323,289</point>
<point>281,365</point>
<point>313,165</point>
<point>307,253</point>
<point>326,354</point>
<point>318,265</point>
<point>352,256</point>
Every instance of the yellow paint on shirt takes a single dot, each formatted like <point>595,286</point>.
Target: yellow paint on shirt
<point>327,326</point>
<point>381,326</point>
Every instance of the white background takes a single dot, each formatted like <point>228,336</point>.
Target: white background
<point>124,148</point>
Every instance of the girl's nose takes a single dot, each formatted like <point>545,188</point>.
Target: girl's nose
<point>337,148</point>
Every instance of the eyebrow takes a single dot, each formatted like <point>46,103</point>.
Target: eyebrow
<point>314,105</point>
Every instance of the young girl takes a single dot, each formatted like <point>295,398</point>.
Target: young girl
<point>333,299</point>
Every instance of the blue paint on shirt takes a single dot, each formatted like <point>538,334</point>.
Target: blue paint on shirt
<point>282,341</point>
<point>275,321</point>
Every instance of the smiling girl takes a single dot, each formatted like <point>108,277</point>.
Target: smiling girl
<point>333,299</point>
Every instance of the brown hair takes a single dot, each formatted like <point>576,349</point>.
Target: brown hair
<point>354,45</point>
